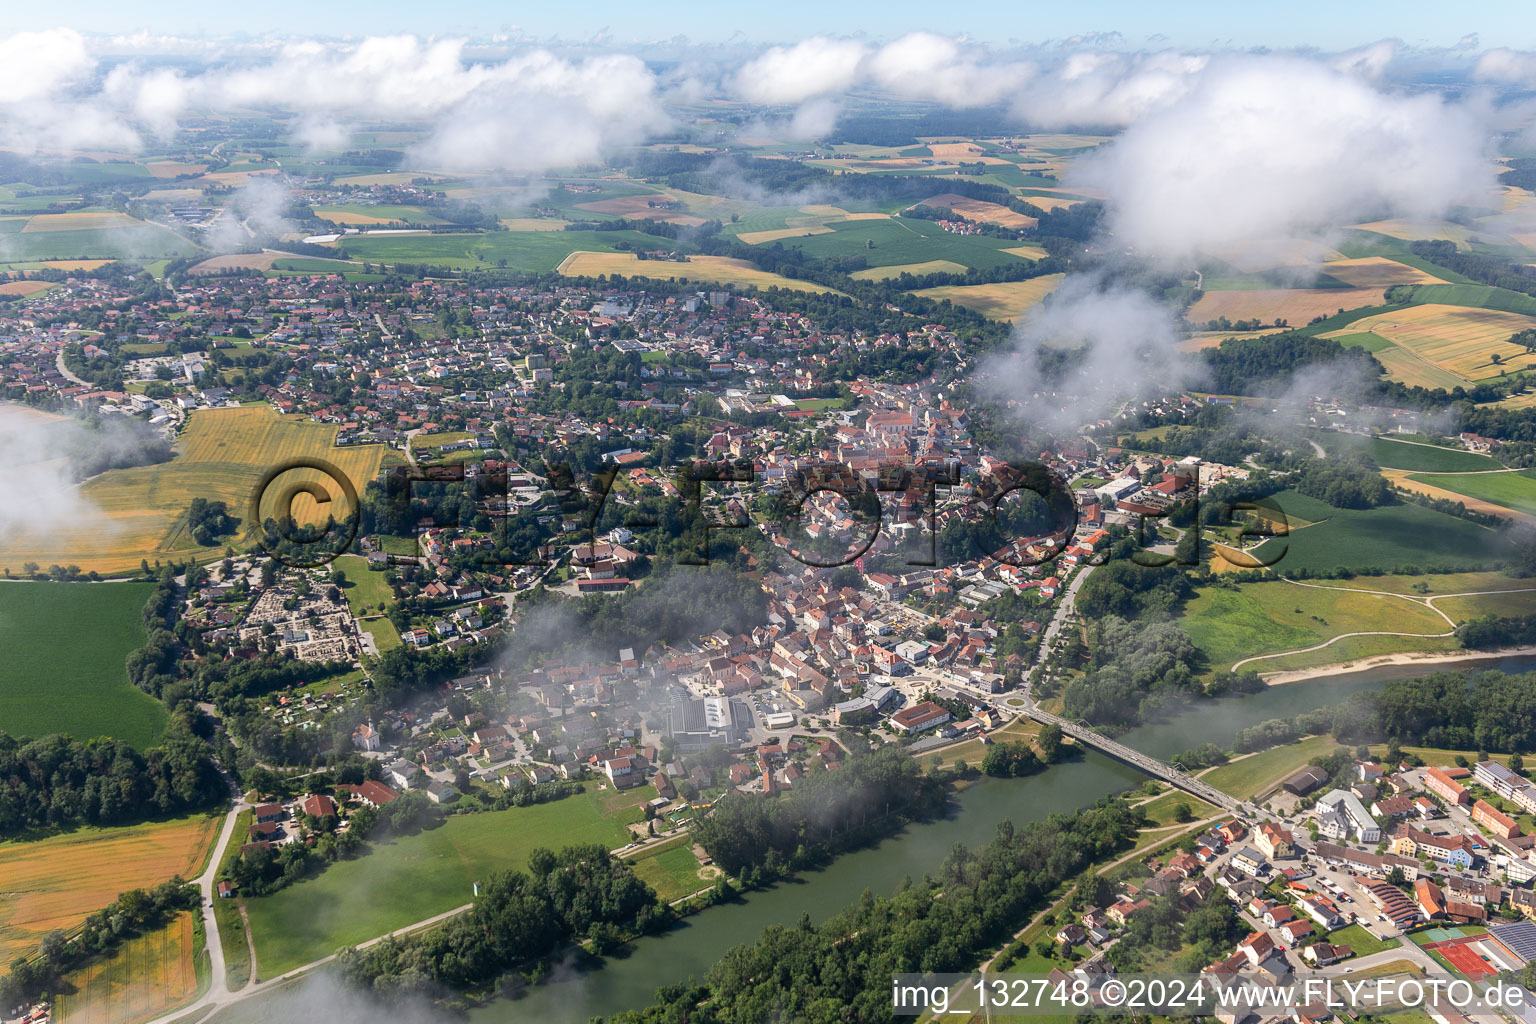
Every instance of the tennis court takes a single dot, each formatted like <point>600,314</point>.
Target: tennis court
<point>1463,955</point>
<point>1442,934</point>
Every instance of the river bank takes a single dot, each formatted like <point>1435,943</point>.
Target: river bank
<point>1458,659</point>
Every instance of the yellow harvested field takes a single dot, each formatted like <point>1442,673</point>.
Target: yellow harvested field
<point>963,150</point>
<point>866,216</point>
<point>81,221</point>
<point>237,261</point>
<point>1377,272</point>
<point>141,979</point>
<point>534,223</point>
<point>1049,203</point>
<point>222,456</point>
<point>351,217</point>
<point>640,208</point>
<point>1210,339</point>
<point>1296,306</point>
<point>1004,300</point>
<point>69,264</point>
<point>1433,230</point>
<point>1029,252</point>
<point>1404,366</point>
<point>1459,340</point>
<point>976,209</point>
<point>928,267</point>
<point>170,168</point>
<point>777,234</point>
<point>714,269</point>
<point>58,882</point>
<point>1523,401</point>
<point>24,287</point>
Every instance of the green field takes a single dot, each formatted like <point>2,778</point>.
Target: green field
<point>64,668</point>
<point>1416,457</point>
<point>147,240</point>
<point>1364,339</point>
<point>314,266</point>
<point>1389,537</point>
<point>1481,296</point>
<point>410,879</point>
<point>1257,772</point>
<point>537,251</point>
<point>1270,617</point>
<point>1512,490</point>
<point>903,240</point>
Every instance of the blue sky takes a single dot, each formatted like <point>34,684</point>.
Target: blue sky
<point>1329,24</point>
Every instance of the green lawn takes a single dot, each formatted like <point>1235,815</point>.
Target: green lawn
<point>364,586</point>
<point>1361,941</point>
<point>1257,772</point>
<point>410,879</point>
<point>1390,537</point>
<point>1512,490</point>
<point>820,404</point>
<point>65,647</point>
<point>1481,296</point>
<point>673,872</point>
<point>313,266</point>
<point>399,545</point>
<point>1268,617</point>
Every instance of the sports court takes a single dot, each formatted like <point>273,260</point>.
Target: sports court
<point>1475,956</point>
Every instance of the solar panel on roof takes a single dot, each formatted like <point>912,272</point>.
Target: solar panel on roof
<point>1519,938</point>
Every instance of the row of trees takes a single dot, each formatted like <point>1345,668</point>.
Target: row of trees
<point>579,893</point>
<point>135,911</point>
<point>57,781</point>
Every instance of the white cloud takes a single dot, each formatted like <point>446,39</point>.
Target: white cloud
<point>1267,149</point>
<point>1109,89</point>
<point>1506,66</point>
<point>818,66</point>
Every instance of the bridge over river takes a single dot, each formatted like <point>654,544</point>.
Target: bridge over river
<point>1171,774</point>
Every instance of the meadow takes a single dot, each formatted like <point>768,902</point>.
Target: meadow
<point>222,455</point>
<point>1516,490</point>
<point>1247,776</point>
<point>1414,456</point>
<point>415,877</point>
<point>64,670</point>
<point>89,235</point>
<point>143,978</point>
<point>702,269</point>
<point>1275,616</point>
<point>915,269</point>
<point>899,240</point>
<point>59,881</point>
<point>535,251</point>
<point>1388,537</point>
<point>1003,300</point>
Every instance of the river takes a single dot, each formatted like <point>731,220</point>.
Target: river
<point>691,948</point>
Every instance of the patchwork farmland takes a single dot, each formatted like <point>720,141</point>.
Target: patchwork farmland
<point>222,456</point>
<point>1459,342</point>
<point>57,882</point>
